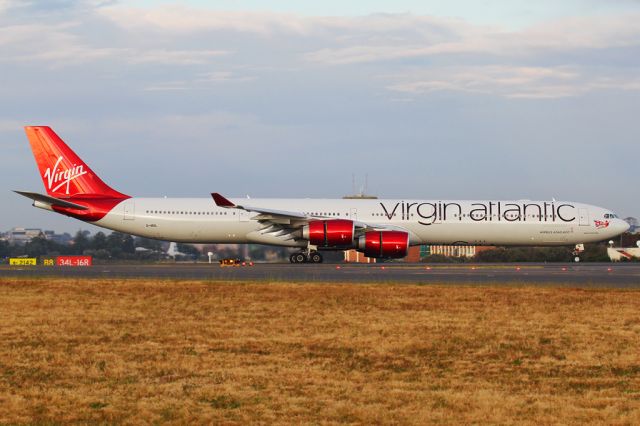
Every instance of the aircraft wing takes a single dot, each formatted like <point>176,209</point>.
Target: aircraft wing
<point>292,218</point>
<point>223,202</point>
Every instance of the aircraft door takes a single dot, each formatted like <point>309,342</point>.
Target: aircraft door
<point>129,210</point>
<point>584,217</point>
<point>244,216</point>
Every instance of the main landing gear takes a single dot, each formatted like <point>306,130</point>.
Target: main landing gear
<point>312,257</point>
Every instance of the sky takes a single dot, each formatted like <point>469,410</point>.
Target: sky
<point>481,99</point>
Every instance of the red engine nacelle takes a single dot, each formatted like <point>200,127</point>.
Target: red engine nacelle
<point>329,233</point>
<point>389,244</point>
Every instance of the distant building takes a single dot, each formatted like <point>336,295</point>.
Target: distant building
<point>417,253</point>
<point>414,255</point>
<point>455,251</point>
<point>354,256</point>
<point>20,236</point>
<point>64,239</point>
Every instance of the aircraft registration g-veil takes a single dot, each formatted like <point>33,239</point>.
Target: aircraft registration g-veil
<point>378,228</point>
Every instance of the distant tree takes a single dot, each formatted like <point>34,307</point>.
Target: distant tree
<point>81,242</point>
<point>101,253</point>
<point>524,254</point>
<point>119,246</point>
<point>5,249</point>
<point>498,254</point>
<point>36,247</point>
<point>114,245</point>
<point>441,258</point>
<point>40,246</point>
<point>99,241</point>
<point>595,253</point>
<point>148,243</point>
<point>128,245</point>
<point>189,250</point>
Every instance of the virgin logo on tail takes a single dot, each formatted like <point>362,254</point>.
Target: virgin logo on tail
<point>60,178</point>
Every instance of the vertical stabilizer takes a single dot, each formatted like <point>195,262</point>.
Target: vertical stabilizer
<point>63,173</point>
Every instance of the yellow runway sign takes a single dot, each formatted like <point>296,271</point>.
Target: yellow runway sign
<point>22,261</point>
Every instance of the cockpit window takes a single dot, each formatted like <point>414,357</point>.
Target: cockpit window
<point>610,216</point>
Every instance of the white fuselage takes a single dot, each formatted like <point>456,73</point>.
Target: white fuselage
<point>521,222</point>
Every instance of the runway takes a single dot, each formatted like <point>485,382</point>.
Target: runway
<point>574,275</point>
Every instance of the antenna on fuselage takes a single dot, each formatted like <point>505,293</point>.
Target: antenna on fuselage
<point>366,184</point>
<point>362,194</point>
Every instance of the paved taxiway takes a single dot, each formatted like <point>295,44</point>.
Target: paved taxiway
<point>580,275</point>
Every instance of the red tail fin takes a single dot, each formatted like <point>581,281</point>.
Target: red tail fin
<point>64,174</point>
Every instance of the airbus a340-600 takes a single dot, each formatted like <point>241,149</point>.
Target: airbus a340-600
<point>378,228</point>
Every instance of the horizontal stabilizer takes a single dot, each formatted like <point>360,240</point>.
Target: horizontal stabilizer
<point>51,200</point>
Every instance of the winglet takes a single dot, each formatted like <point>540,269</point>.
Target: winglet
<point>221,201</point>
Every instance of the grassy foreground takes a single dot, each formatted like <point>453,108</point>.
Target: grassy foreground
<point>194,352</point>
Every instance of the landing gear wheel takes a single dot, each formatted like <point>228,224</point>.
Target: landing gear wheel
<point>315,257</point>
<point>300,258</point>
<point>292,258</point>
<point>577,259</point>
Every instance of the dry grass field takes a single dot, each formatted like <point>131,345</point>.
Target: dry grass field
<point>113,351</point>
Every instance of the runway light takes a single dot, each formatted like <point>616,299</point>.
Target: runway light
<point>517,268</point>
<point>250,263</point>
<point>473,268</point>
<point>609,269</point>
<point>428,268</point>
<point>244,263</point>
<point>564,268</point>
<point>338,267</point>
<point>382,267</point>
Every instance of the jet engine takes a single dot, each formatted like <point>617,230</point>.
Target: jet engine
<point>387,244</point>
<point>330,233</point>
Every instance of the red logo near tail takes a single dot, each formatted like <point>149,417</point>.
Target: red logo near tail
<point>601,223</point>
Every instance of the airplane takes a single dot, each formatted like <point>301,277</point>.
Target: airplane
<point>378,228</point>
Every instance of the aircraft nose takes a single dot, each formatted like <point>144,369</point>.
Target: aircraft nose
<point>621,226</point>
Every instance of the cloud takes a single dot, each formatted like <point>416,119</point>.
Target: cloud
<point>509,81</point>
<point>174,57</point>
<point>200,81</point>
<point>54,44</point>
<point>182,19</point>
<point>383,37</point>
<point>58,45</point>
<point>560,36</point>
